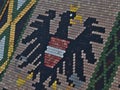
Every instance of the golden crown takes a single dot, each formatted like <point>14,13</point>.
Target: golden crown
<point>73,8</point>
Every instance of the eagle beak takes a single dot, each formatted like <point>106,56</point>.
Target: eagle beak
<point>77,17</point>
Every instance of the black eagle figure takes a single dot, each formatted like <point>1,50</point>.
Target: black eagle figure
<point>42,35</point>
